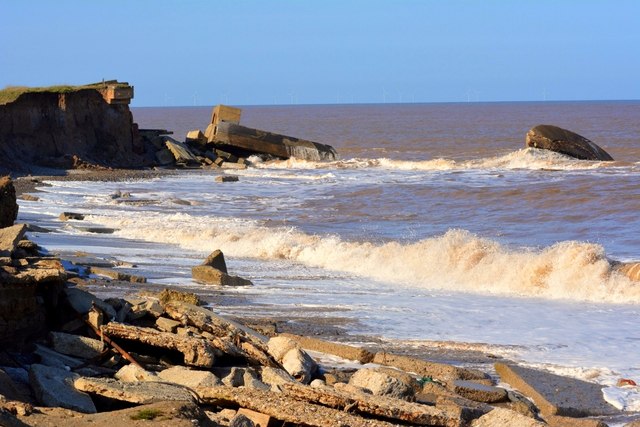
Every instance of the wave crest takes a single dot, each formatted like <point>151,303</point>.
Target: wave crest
<point>526,158</point>
<point>457,260</point>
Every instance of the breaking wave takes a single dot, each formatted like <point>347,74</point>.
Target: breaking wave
<point>527,158</point>
<point>457,260</point>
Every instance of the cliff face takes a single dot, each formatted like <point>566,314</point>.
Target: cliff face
<point>48,129</point>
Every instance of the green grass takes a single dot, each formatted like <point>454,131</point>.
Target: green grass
<point>11,93</point>
<point>146,414</point>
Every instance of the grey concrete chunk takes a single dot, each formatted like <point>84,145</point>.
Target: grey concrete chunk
<point>9,238</point>
<point>54,387</point>
<point>167,325</point>
<point>132,392</point>
<point>75,345</point>
<point>189,377</point>
<point>213,276</point>
<point>82,302</point>
<point>132,373</point>
<point>557,395</point>
<point>216,260</point>
<point>381,383</point>
<point>505,417</point>
<point>479,392</point>
<point>275,376</point>
<point>54,359</point>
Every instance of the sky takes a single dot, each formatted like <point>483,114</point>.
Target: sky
<point>262,52</point>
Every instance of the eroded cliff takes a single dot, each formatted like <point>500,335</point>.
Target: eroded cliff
<point>68,128</point>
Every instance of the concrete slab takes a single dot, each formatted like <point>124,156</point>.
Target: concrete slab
<point>557,395</point>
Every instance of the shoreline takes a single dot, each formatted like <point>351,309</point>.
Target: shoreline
<point>454,353</point>
<point>315,326</point>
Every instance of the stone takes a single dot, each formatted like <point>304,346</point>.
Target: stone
<point>9,238</point>
<point>75,345</point>
<point>558,421</point>
<point>556,395</point>
<point>167,325</point>
<point>132,373</point>
<point>140,307</point>
<point>237,376</point>
<point>259,419</point>
<point>216,260</point>
<point>350,389</point>
<point>439,371</point>
<point>232,165</point>
<point>29,197</point>
<point>196,351</point>
<point>196,136</point>
<point>82,302</point>
<point>299,365</point>
<point>54,387</point>
<point>181,153</point>
<point>381,383</point>
<point>279,346</point>
<point>505,417</point>
<point>8,388</point>
<point>160,414</point>
<point>132,392</point>
<point>189,377</point>
<point>241,420</point>
<point>165,157</point>
<point>563,141</point>
<point>341,350</point>
<point>286,408</point>
<point>227,178</point>
<point>168,295</point>
<point>54,359</point>
<point>8,205</point>
<point>479,392</point>
<point>66,216</point>
<point>275,376</point>
<point>209,132</point>
<point>95,318</point>
<point>629,269</point>
<point>117,275</point>
<point>213,276</point>
<point>225,113</point>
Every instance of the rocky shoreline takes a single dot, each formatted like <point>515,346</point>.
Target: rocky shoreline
<point>160,358</point>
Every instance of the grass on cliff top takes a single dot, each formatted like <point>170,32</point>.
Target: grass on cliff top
<point>11,93</point>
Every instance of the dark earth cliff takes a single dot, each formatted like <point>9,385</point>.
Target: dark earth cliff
<point>66,129</point>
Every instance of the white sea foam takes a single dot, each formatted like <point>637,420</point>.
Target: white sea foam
<point>457,260</point>
<point>526,158</point>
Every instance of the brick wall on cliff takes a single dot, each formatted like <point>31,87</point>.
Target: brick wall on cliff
<point>47,129</point>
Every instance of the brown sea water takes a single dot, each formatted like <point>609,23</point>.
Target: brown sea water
<point>425,168</point>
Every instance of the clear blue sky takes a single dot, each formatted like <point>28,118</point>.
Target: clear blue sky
<point>265,52</point>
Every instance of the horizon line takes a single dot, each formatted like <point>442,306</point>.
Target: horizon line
<point>391,103</point>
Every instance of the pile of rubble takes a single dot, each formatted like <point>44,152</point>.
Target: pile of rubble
<point>226,144</point>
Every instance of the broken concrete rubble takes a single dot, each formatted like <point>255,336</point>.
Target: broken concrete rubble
<point>54,387</point>
<point>213,271</point>
<point>132,392</point>
<point>556,395</point>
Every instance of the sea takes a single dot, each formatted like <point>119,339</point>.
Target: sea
<point>435,225</point>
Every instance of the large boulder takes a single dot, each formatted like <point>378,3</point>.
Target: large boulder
<point>8,205</point>
<point>548,137</point>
